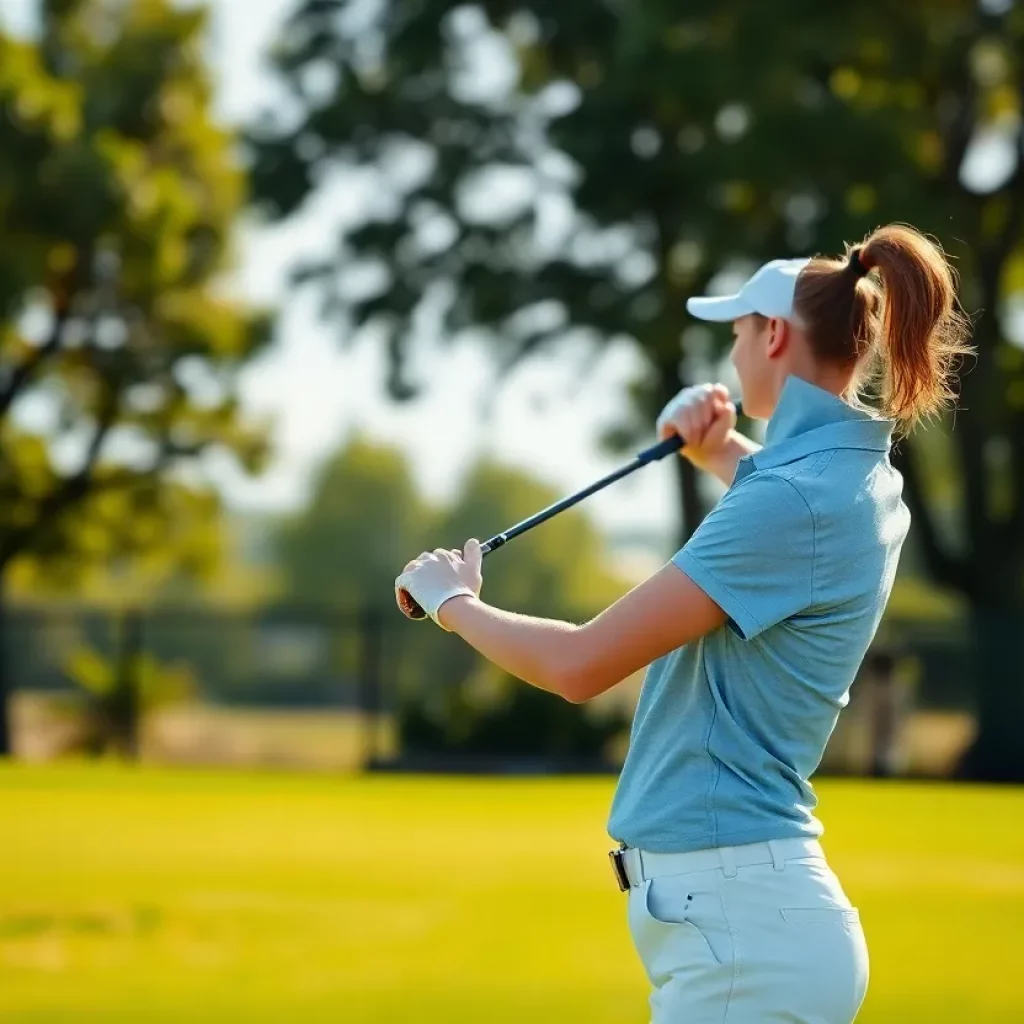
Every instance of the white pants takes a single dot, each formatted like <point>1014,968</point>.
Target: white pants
<point>754,934</point>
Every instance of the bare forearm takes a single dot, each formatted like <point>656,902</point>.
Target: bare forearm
<point>722,463</point>
<point>541,652</point>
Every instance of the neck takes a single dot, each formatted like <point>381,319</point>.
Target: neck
<point>828,378</point>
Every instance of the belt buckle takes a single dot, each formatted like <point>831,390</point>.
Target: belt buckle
<point>618,857</point>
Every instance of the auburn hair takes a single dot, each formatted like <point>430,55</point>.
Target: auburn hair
<point>902,334</point>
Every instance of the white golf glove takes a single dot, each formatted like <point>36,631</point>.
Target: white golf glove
<point>438,576</point>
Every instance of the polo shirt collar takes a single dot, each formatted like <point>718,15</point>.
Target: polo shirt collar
<point>808,419</point>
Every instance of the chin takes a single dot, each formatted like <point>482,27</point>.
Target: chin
<point>748,401</point>
<point>756,408</point>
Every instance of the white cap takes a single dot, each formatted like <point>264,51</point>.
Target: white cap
<point>769,292</point>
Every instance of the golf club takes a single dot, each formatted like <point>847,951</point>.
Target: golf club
<point>658,451</point>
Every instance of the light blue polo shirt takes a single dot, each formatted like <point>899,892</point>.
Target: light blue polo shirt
<point>801,554</point>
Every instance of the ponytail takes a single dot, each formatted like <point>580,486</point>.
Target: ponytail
<point>922,334</point>
<point>904,330</point>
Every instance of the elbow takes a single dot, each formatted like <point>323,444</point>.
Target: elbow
<point>577,685</point>
<point>573,692</point>
<point>578,675</point>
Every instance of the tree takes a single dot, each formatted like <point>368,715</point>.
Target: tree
<point>366,520</point>
<point>557,570</point>
<point>664,145</point>
<point>119,354</point>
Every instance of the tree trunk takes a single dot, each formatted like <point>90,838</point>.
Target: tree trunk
<point>997,753</point>
<point>123,710</point>
<point>6,737</point>
<point>690,504</point>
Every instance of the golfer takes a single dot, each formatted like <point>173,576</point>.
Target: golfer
<point>752,634</point>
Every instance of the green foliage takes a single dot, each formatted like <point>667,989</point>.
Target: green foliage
<point>119,354</point>
<point>525,723</point>
<point>556,570</point>
<point>673,144</point>
<point>157,685</point>
<point>366,520</point>
<point>120,693</point>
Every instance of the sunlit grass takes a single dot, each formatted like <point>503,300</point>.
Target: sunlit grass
<point>161,895</point>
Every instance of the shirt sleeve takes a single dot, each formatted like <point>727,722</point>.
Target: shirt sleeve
<point>753,554</point>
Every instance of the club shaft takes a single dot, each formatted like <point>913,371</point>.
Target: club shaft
<point>495,542</point>
<point>652,454</point>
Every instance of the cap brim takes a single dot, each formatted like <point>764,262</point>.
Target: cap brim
<point>718,310</point>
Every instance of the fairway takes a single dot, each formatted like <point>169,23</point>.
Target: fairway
<point>158,895</point>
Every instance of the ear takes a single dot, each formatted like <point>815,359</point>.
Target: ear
<point>778,331</point>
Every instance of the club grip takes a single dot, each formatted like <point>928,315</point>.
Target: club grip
<point>661,449</point>
<point>407,603</point>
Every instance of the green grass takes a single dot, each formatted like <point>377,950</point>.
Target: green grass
<point>158,895</point>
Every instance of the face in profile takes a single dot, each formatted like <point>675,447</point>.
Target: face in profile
<point>751,337</point>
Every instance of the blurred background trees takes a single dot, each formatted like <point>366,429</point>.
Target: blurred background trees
<point>366,517</point>
<point>118,352</point>
<point>551,172</point>
<point>547,181</point>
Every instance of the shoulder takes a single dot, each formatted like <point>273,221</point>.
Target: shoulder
<point>764,512</point>
<point>769,495</point>
<point>754,553</point>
